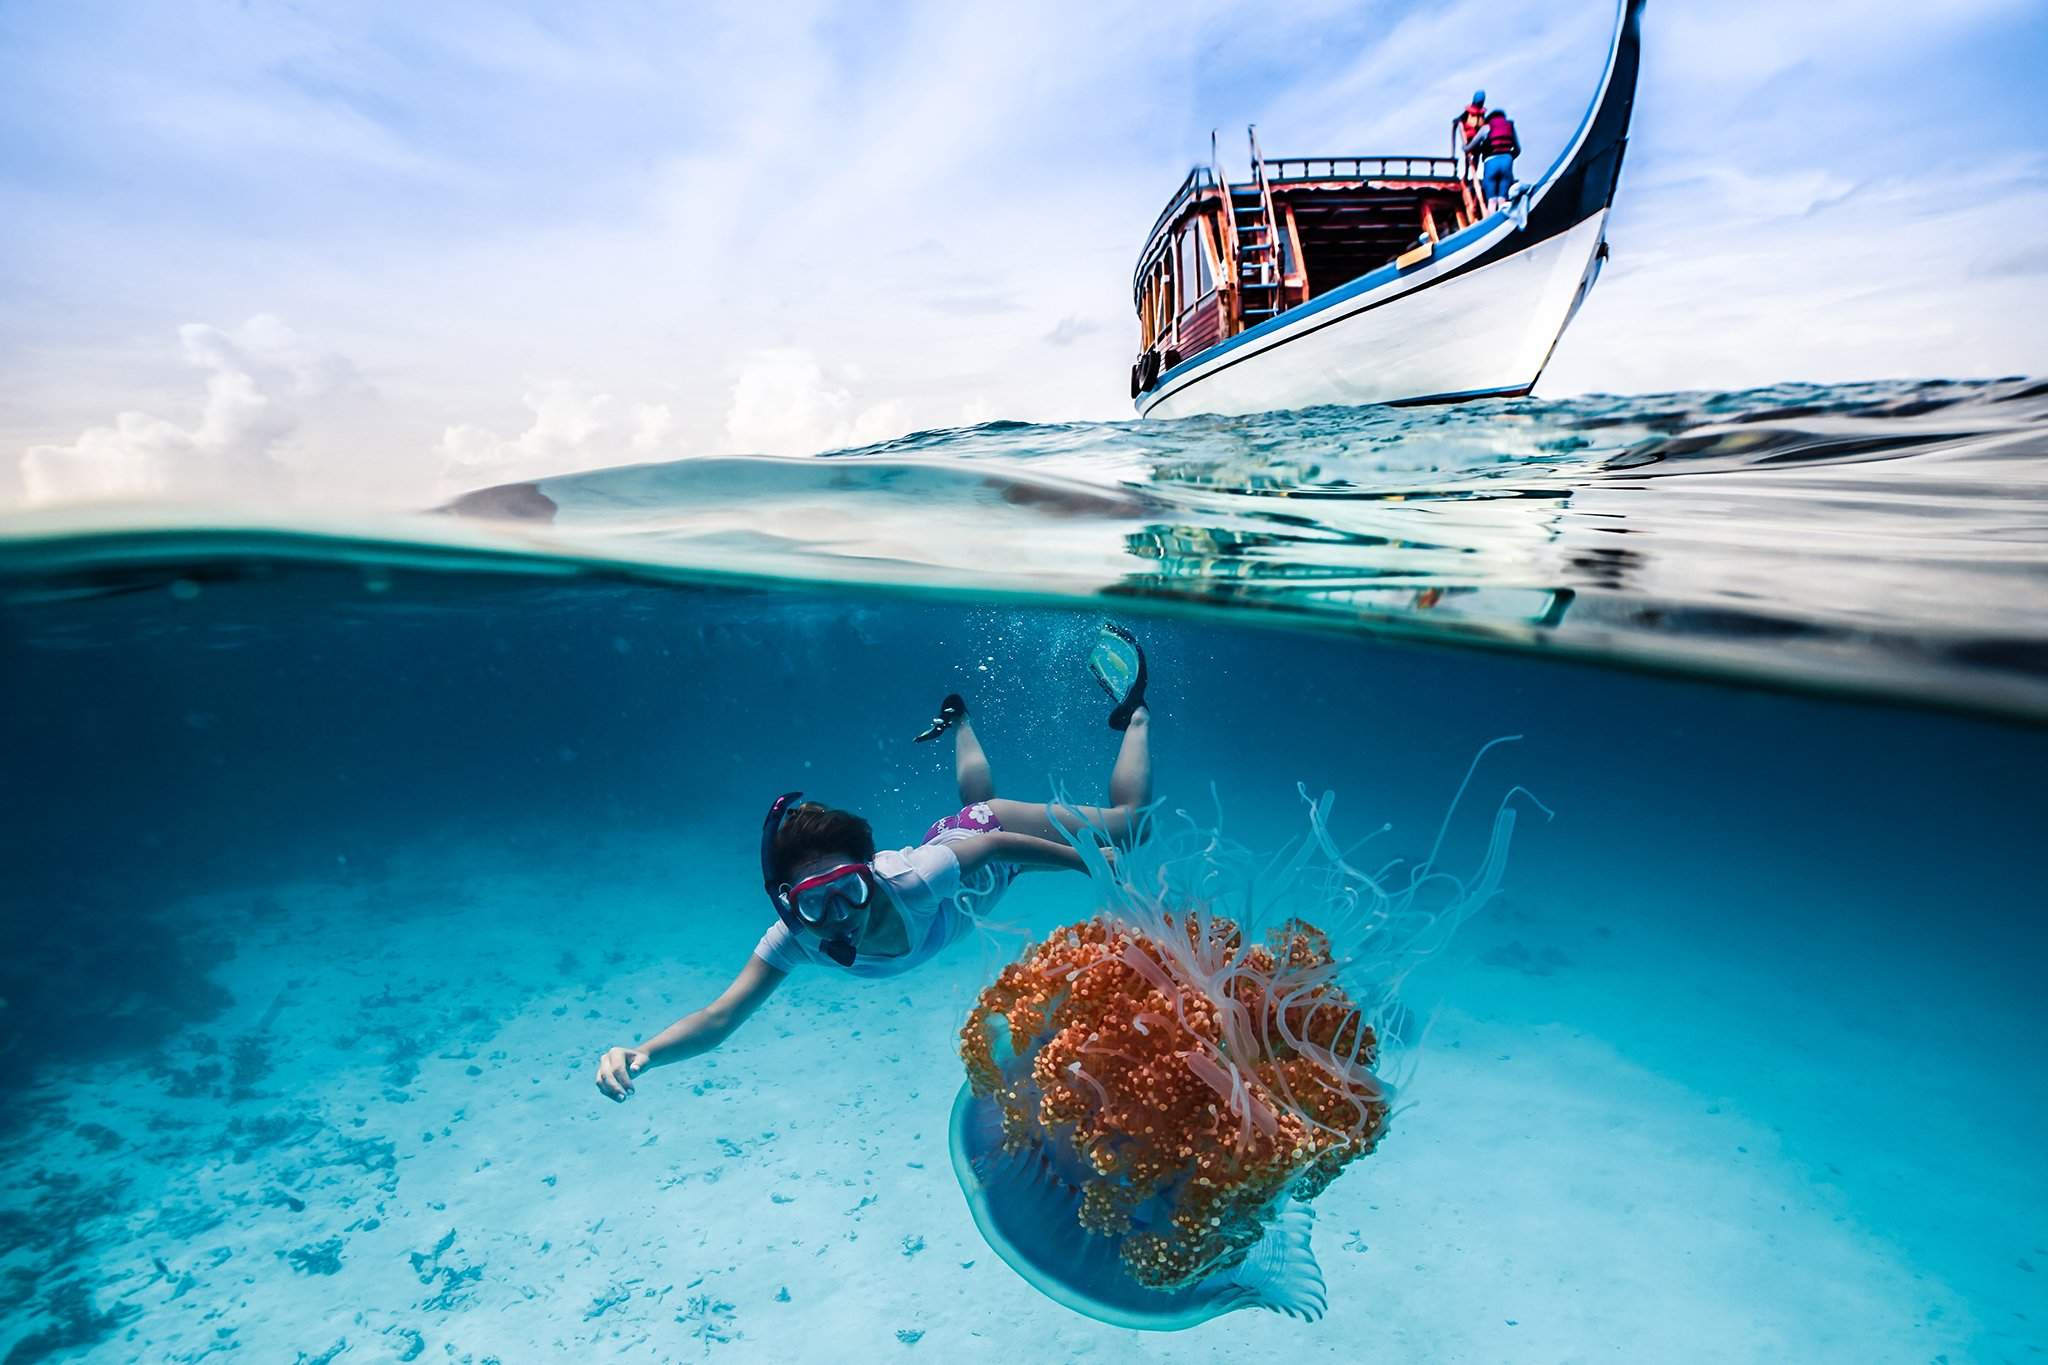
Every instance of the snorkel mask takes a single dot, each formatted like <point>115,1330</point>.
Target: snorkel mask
<point>831,904</point>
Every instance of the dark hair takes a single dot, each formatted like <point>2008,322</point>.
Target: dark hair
<point>811,829</point>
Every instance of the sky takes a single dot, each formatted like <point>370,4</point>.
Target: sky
<point>385,251</point>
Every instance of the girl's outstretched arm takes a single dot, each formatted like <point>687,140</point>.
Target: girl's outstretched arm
<point>691,1034</point>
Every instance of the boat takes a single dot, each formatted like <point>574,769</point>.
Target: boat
<point>1374,279</point>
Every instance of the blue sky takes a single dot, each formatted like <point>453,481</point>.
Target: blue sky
<point>385,250</point>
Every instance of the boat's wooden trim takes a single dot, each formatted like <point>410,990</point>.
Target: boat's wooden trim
<point>1294,284</point>
<point>1415,255</point>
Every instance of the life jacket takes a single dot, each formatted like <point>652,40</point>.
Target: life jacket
<point>1474,115</point>
<point>1500,135</point>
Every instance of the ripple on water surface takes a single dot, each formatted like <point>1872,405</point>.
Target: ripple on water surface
<point>1887,539</point>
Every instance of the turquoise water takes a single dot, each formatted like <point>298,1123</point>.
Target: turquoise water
<point>340,846</point>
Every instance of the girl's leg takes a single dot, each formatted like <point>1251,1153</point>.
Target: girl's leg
<point>970,765</point>
<point>1130,781</point>
<point>1130,787</point>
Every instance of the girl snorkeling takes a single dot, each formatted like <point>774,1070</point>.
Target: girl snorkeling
<point>838,902</point>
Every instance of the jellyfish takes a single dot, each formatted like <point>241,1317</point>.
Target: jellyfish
<point>1156,1095</point>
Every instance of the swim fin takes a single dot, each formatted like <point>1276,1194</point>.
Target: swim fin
<point>950,710</point>
<point>1119,665</point>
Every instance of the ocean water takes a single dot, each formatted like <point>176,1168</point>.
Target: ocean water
<point>338,848</point>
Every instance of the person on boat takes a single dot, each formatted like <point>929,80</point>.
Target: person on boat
<point>840,903</point>
<point>1467,125</point>
<point>1497,143</point>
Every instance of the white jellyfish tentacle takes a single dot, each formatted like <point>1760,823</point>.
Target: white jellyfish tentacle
<point>1451,811</point>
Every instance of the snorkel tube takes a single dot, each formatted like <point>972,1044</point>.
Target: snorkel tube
<point>839,948</point>
<point>769,881</point>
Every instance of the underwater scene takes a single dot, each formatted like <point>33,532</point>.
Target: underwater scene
<point>1572,889</point>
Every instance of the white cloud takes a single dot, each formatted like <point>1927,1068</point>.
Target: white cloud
<point>1069,330</point>
<point>262,382</point>
<point>228,126</point>
<point>1879,283</point>
<point>573,429</point>
<point>783,403</point>
<point>1732,47</point>
<point>1757,194</point>
<point>281,418</point>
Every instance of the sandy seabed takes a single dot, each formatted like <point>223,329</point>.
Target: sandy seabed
<point>385,1144</point>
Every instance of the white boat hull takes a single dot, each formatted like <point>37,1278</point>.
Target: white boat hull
<point>1480,332</point>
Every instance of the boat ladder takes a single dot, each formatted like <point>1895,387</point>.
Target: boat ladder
<point>1257,229</point>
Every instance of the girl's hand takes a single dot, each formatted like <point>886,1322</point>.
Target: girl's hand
<point>616,1070</point>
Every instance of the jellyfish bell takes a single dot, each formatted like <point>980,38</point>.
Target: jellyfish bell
<point>1149,1108</point>
<point>1155,1095</point>
<point>1029,1212</point>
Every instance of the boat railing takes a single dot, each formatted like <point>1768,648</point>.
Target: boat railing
<point>1199,179</point>
<point>1227,248</point>
<point>1263,183</point>
<point>1271,278</point>
<point>1286,168</point>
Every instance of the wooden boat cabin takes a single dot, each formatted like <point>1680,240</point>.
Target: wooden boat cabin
<point>1223,258</point>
